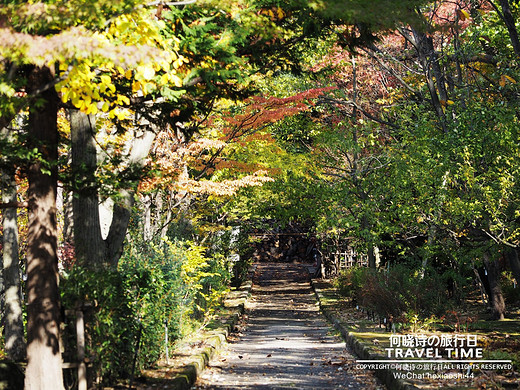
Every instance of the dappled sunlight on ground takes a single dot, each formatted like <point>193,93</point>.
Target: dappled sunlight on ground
<point>285,343</point>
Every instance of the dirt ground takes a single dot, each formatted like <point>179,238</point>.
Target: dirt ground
<point>284,341</point>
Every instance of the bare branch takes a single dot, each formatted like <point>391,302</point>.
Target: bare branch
<point>10,205</point>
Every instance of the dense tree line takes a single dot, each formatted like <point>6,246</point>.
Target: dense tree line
<point>414,154</point>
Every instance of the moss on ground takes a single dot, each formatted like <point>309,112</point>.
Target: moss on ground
<point>500,340</point>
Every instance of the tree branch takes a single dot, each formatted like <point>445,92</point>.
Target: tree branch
<point>9,205</point>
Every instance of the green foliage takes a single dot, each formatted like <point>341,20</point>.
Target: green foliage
<point>160,283</point>
<point>379,14</point>
<point>497,354</point>
<point>45,16</point>
<point>206,280</point>
<point>351,280</point>
<point>114,324</point>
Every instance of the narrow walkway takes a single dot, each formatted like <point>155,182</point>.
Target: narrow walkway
<point>287,343</point>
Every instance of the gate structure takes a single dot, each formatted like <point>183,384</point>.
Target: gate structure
<point>334,262</point>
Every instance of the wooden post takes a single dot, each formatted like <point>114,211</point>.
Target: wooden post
<point>80,344</point>
<point>166,341</point>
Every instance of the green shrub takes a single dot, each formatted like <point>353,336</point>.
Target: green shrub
<point>111,321</point>
<point>169,282</point>
<point>351,280</point>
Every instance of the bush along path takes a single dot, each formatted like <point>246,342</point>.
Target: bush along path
<point>190,357</point>
<point>286,343</point>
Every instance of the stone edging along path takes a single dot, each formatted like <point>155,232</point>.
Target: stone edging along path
<point>216,339</point>
<point>358,347</point>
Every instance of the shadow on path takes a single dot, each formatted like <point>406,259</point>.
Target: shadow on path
<point>287,344</point>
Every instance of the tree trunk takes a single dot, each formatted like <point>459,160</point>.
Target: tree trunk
<point>431,67</point>
<point>68,216</point>
<point>141,145</point>
<point>90,247</point>
<point>509,21</point>
<point>88,243</point>
<point>44,369</point>
<point>498,306</point>
<point>13,320</point>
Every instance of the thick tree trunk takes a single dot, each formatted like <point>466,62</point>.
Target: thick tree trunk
<point>498,305</point>
<point>44,369</point>
<point>13,320</point>
<point>115,240</point>
<point>91,249</point>
<point>89,245</point>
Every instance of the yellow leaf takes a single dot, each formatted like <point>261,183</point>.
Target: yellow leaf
<point>105,79</point>
<point>136,86</point>
<point>165,78</point>
<point>450,102</point>
<point>121,115</point>
<point>510,79</point>
<point>105,107</point>
<point>128,74</point>
<point>92,109</point>
<point>65,94</point>
<point>148,72</point>
<point>502,81</point>
<point>122,99</point>
<point>176,80</point>
<point>178,62</point>
<point>465,13</point>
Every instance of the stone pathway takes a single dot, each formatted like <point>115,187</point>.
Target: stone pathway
<point>286,343</point>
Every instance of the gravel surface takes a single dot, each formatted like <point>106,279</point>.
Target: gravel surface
<point>284,342</point>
